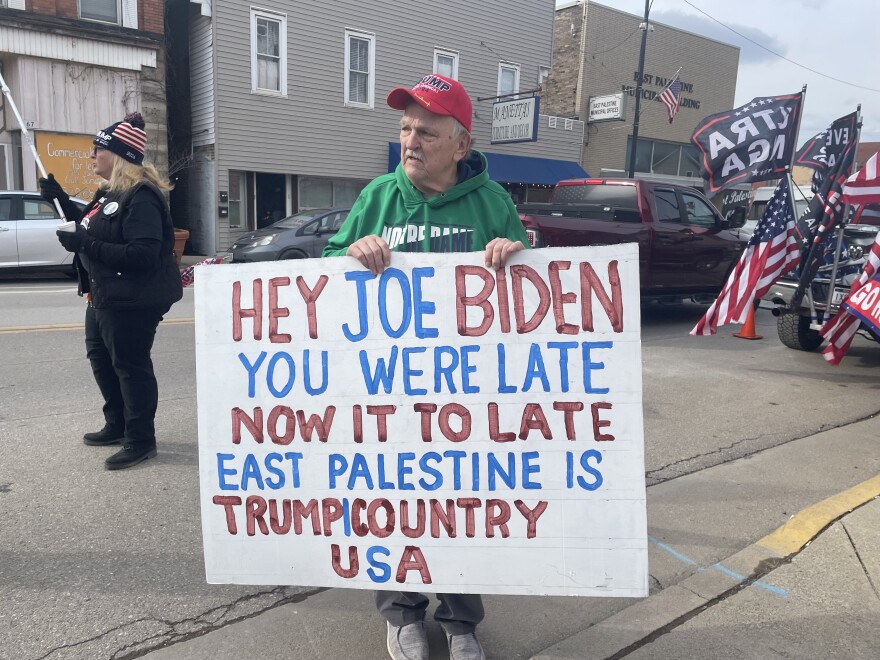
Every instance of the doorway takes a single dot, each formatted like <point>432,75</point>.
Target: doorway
<point>271,203</point>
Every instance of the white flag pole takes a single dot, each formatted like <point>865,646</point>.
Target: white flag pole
<point>28,137</point>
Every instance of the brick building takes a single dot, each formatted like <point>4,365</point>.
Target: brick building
<point>95,61</point>
<point>596,53</point>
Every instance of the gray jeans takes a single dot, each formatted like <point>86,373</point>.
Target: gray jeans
<point>458,614</point>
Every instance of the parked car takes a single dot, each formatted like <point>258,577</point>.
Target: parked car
<point>686,248</point>
<point>299,236</point>
<point>27,234</point>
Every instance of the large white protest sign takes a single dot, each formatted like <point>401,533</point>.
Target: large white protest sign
<point>442,427</point>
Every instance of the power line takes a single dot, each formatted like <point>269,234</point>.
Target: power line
<point>772,52</point>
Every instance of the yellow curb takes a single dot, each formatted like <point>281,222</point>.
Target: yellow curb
<point>806,525</point>
<point>72,326</point>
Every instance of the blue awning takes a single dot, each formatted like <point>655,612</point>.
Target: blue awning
<point>505,168</point>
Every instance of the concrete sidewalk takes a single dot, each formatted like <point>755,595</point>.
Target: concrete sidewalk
<point>729,579</point>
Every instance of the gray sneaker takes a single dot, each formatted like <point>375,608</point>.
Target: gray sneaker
<point>465,647</point>
<point>409,642</point>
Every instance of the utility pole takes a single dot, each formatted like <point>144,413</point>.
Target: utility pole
<point>635,136</point>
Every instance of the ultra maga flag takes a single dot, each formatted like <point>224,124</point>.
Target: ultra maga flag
<point>754,142</point>
<point>822,151</point>
<point>772,251</point>
<point>840,330</point>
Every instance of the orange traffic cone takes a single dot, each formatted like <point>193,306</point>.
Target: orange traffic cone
<point>747,331</point>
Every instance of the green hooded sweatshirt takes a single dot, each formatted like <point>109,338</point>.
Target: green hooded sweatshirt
<point>463,219</point>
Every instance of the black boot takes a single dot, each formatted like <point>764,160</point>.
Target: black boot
<point>106,436</point>
<point>132,453</point>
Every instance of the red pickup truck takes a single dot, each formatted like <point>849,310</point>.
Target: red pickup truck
<point>686,248</point>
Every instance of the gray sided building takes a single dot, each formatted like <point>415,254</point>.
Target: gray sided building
<point>281,107</point>
<point>596,53</point>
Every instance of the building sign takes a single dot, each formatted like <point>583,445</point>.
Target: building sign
<point>515,121</point>
<point>68,157</point>
<point>661,83</point>
<point>442,427</point>
<point>605,108</point>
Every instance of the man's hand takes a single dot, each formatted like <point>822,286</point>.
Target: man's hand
<point>73,241</point>
<point>50,189</point>
<point>498,250</point>
<point>373,252</point>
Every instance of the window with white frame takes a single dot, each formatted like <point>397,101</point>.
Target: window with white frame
<point>360,64</point>
<point>268,52</point>
<point>106,11</point>
<point>446,63</point>
<point>508,79</point>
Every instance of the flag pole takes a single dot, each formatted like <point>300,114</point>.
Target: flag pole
<point>28,137</point>
<point>790,167</point>
<point>843,220</point>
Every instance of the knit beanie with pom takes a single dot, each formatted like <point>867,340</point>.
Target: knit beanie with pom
<point>125,138</point>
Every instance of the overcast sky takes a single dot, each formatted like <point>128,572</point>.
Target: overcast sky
<point>837,38</point>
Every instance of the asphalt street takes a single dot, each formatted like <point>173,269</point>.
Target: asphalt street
<point>740,435</point>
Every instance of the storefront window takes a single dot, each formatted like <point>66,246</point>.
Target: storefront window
<point>315,193</point>
<point>325,193</point>
<point>659,157</point>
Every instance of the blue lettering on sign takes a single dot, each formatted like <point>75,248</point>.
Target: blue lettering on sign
<point>529,467</point>
<point>275,477</point>
<point>382,375</point>
<point>590,366</point>
<point>535,369</point>
<point>404,470</point>
<point>346,516</point>
<point>406,306</point>
<point>223,471</point>
<point>422,307</point>
<point>270,375</point>
<point>279,383</point>
<point>385,573</point>
<point>252,371</point>
<point>409,372</point>
<point>589,469</point>
<point>563,347</point>
<point>467,369</point>
<point>503,387</point>
<point>445,371</point>
<point>438,476</point>
<point>360,279</point>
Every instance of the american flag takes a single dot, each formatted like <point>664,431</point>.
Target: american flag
<point>671,98</point>
<point>188,274</point>
<point>841,329</point>
<point>772,251</point>
<point>863,187</point>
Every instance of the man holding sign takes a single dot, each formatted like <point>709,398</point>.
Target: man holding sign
<point>439,199</point>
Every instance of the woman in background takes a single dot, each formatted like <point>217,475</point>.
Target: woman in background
<point>122,244</point>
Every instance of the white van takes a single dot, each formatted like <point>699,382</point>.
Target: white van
<point>760,197</point>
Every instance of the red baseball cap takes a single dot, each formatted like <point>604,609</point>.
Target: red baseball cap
<point>437,94</point>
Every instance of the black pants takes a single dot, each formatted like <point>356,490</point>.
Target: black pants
<point>118,344</point>
<point>457,614</point>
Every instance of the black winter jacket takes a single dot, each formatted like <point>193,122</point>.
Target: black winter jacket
<point>127,261</point>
